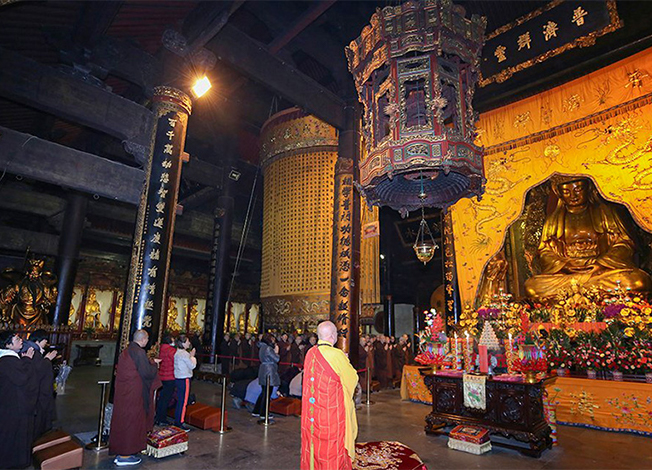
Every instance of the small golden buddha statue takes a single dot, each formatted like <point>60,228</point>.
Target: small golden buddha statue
<point>173,314</point>
<point>584,240</point>
<point>93,312</point>
<point>194,317</point>
<point>118,313</point>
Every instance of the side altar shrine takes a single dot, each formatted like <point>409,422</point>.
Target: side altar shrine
<point>546,231</point>
<point>552,266</point>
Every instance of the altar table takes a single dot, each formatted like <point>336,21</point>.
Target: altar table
<point>513,412</point>
<point>598,404</point>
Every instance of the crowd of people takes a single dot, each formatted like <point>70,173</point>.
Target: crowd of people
<point>251,361</point>
<point>240,355</point>
<point>26,395</point>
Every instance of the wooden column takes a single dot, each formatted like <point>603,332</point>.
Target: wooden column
<point>152,244</point>
<point>214,322</point>
<point>345,277</point>
<point>68,255</point>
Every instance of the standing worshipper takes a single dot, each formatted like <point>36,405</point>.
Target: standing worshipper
<point>166,374</point>
<point>184,364</point>
<point>44,376</point>
<point>246,350</point>
<point>269,357</point>
<point>16,404</point>
<point>284,353</point>
<point>296,356</point>
<point>136,379</point>
<point>380,361</point>
<point>328,422</point>
<point>224,352</point>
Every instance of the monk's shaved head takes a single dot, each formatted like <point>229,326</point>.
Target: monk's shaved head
<point>141,337</point>
<point>327,331</point>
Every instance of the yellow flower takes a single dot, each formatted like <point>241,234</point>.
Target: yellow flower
<point>629,332</point>
<point>624,312</point>
<point>562,302</point>
<point>637,299</point>
<point>647,310</point>
<point>637,319</point>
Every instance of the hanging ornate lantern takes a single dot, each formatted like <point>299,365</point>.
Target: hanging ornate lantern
<point>415,70</point>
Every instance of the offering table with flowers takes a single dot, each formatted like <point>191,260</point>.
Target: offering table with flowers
<point>513,409</point>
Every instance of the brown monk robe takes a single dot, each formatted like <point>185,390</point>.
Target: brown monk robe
<point>398,359</point>
<point>136,380</point>
<point>380,362</point>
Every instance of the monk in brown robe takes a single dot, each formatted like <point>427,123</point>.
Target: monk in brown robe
<point>136,380</point>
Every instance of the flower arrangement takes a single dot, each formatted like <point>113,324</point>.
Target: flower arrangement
<point>428,358</point>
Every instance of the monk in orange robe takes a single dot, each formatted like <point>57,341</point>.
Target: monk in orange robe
<point>328,422</point>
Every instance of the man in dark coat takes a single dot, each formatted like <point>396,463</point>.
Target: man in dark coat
<point>42,363</point>
<point>224,352</point>
<point>136,379</point>
<point>16,403</point>
<point>284,353</point>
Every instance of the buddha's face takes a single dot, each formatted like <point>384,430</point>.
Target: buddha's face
<point>574,193</point>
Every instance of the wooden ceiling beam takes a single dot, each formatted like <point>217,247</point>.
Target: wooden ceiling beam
<point>31,157</point>
<point>299,25</point>
<point>28,82</point>
<point>209,25</point>
<point>252,58</point>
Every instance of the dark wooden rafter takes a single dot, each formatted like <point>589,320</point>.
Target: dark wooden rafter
<point>94,21</point>
<point>251,58</point>
<point>26,81</point>
<point>209,24</point>
<point>26,155</point>
<point>299,25</point>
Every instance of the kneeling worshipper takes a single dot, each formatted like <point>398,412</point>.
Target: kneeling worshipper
<point>328,422</point>
<point>136,380</point>
<point>17,402</point>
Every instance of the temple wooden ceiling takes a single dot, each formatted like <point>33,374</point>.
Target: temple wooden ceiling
<point>307,38</point>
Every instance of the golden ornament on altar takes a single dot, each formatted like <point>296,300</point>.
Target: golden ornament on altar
<point>584,243</point>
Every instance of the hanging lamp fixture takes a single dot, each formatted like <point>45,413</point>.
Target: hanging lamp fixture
<point>424,244</point>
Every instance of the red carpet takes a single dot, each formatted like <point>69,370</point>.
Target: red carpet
<point>386,455</point>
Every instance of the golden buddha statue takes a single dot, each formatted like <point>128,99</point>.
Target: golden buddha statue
<point>118,313</point>
<point>93,312</point>
<point>194,317</point>
<point>173,314</point>
<point>584,240</point>
<point>29,299</point>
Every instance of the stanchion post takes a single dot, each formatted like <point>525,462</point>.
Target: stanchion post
<point>100,444</point>
<point>223,428</point>
<point>368,402</point>
<point>232,363</point>
<point>268,394</point>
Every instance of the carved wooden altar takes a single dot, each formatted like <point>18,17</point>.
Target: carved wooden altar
<point>514,410</point>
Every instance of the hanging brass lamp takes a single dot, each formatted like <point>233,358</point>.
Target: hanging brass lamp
<point>424,244</point>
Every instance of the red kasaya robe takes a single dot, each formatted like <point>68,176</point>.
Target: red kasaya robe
<point>328,423</point>
<point>135,382</point>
